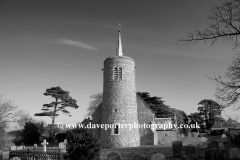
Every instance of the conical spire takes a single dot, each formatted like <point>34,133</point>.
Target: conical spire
<point>119,45</point>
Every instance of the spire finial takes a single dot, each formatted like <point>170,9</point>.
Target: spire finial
<point>119,45</point>
<point>119,29</point>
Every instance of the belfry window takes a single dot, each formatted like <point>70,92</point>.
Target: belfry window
<point>120,73</point>
<point>115,74</point>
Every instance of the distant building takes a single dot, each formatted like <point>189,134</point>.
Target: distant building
<point>122,106</point>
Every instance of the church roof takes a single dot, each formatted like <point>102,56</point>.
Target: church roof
<point>138,97</point>
<point>145,104</point>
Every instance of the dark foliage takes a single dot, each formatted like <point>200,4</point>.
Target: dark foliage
<point>82,144</point>
<point>161,110</point>
<point>210,111</point>
<point>61,136</point>
<point>217,132</point>
<point>156,104</point>
<point>30,134</point>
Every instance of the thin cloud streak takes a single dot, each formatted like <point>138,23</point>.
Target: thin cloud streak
<point>75,43</point>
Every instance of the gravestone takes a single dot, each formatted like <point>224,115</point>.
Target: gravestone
<point>140,157</point>
<point>13,148</point>
<point>224,138</point>
<point>188,153</point>
<point>19,148</point>
<point>62,146</point>
<point>234,153</point>
<point>221,146</point>
<point>176,148</point>
<point>114,156</point>
<point>182,135</point>
<point>35,145</point>
<point>213,144</point>
<point>158,156</point>
<point>215,154</point>
<point>203,143</point>
<point>194,134</point>
<point>44,143</point>
<point>1,155</point>
<point>203,140</point>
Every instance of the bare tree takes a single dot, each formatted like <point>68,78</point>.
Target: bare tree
<point>228,87</point>
<point>7,113</point>
<point>96,100</point>
<point>236,118</point>
<point>22,118</point>
<point>224,24</point>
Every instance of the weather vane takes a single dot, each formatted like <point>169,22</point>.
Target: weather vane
<point>119,26</point>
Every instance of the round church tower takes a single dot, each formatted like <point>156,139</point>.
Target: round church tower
<point>119,105</point>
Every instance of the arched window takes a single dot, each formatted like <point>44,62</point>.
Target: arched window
<point>120,73</point>
<point>116,129</point>
<point>115,74</point>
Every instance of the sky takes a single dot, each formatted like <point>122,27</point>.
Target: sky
<point>49,43</point>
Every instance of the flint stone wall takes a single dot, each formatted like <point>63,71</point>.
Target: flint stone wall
<point>166,137</point>
<point>119,103</point>
<point>145,115</point>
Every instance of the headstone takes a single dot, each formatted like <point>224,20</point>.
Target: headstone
<point>176,148</point>
<point>194,134</point>
<point>234,153</point>
<point>35,145</point>
<point>62,146</point>
<point>19,148</point>
<point>65,141</point>
<point>224,138</point>
<point>44,143</point>
<point>140,157</point>
<point>203,143</point>
<point>215,154</point>
<point>182,135</point>
<point>114,156</point>
<point>188,152</point>
<point>13,148</point>
<point>221,146</point>
<point>203,140</point>
<point>213,144</point>
<point>158,156</point>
